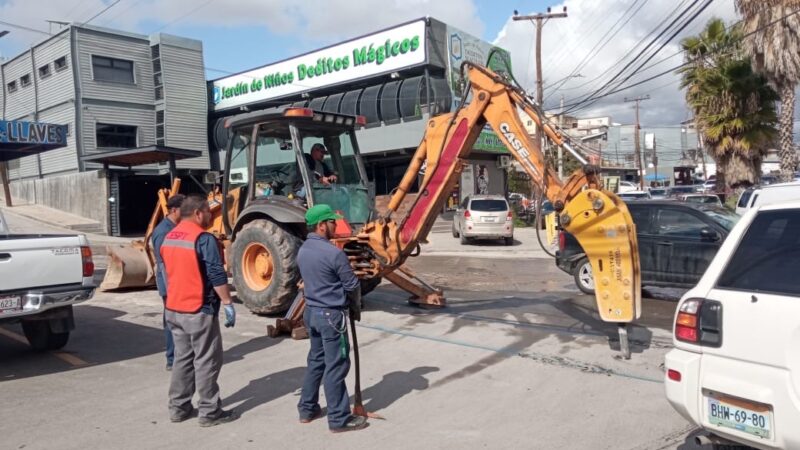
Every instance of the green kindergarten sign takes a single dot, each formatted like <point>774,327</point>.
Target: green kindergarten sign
<point>382,52</point>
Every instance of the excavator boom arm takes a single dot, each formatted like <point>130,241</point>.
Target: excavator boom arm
<point>598,219</point>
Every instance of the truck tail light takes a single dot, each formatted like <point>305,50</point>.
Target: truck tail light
<point>699,321</point>
<point>510,216</point>
<point>467,214</point>
<point>562,241</point>
<point>674,375</point>
<point>88,264</point>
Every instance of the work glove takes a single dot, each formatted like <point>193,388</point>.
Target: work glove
<point>230,315</point>
<point>354,298</point>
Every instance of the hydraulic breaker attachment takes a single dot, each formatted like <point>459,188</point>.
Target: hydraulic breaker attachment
<point>601,223</point>
<point>422,293</point>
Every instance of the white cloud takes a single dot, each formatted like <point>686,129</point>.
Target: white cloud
<point>567,41</point>
<point>314,21</point>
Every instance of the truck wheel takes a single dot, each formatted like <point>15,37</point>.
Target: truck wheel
<point>583,276</point>
<point>41,337</point>
<point>265,270</point>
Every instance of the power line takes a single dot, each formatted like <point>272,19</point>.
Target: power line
<point>688,62</point>
<point>669,27</point>
<point>178,19</point>
<point>101,12</point>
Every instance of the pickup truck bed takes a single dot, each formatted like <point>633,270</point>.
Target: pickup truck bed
<point>41,277</point>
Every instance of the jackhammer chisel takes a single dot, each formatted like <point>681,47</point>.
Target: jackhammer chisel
<point>358,403</point>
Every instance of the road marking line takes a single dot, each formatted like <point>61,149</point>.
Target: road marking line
<point>70,359</point>
<point>13,336</point>
<point>64,356</point>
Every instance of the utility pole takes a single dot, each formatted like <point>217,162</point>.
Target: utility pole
<point>560,148</point>
<point>539,20</point>
<point>636,138</point>
<point>4,164</point>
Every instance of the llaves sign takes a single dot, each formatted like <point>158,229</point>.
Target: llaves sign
<point>33,133</point>
<point>376,54</point>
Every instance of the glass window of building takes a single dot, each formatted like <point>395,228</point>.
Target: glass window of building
<point>112,69</point>
<point>115,136</point>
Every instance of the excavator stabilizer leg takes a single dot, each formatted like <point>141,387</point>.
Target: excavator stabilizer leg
<point>128,267</point>
<point>601,223</point>
<point>422,294</point>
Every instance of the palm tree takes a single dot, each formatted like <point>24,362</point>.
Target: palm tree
<point>733,106</point>
<point>775,50</point>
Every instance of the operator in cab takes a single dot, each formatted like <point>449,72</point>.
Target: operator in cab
<point>319,171</point>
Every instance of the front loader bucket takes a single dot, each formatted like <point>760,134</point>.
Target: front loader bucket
<point>128,267</point>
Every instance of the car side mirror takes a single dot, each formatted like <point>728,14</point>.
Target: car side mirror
<point>707,234</point>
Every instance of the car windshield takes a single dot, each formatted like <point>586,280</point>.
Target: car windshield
<point>488,205</point>
<point>722,216</point>
<point>658,192</point>
<point>702,199</point>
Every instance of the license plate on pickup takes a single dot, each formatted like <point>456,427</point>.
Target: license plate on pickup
<point>12,303</point>
<point>743,415</point>
<point>489,219</point>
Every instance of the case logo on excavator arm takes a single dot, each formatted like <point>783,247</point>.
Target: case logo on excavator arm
<point>518,146</point>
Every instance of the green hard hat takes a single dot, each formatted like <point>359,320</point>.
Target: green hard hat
<point>320,213</point>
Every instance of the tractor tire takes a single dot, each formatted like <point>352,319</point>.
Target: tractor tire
<point>41,337</point>
<point>264,268</point>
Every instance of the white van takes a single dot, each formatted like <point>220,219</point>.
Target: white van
<point>767,195</point>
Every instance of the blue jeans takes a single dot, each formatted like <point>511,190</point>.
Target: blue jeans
<point>168,338</point>
<point>328,363</point>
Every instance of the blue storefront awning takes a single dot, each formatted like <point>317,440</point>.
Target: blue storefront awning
<point>20,138</point>
<point>655,177</point>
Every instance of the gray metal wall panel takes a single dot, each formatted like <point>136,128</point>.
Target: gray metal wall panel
<point>136,50</point>
<point>20,102</point>
<point>59,86</point>
<point>185,97</point>
<point>63,159</point>
<point>143,119</point>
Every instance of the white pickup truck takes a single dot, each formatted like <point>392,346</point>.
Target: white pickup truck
<point>41,277</point>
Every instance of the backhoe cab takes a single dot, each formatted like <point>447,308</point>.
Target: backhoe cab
<point>272,177</point>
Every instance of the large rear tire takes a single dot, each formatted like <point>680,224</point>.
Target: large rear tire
<point>265,270</point>
<point>41,337</point>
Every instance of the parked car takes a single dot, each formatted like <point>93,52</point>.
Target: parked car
<point>627,186</point>
<point>42,277</point>
<point>484,217</point>
<point>734,369</point>
<point>767,195</point>
<point>658,193</point>
<point>768,179</point>
<point>708,186</point>
<point>676,243</point>
<point>677,191</point>
<point>708,199</point>
<point>634,195</point>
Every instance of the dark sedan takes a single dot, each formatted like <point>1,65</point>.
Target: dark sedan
<point>677,242</point>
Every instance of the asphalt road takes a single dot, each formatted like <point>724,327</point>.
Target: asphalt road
<point>518,359</point>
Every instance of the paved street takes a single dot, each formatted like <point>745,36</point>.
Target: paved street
<point>518,360</point>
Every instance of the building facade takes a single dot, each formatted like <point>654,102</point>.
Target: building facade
<point>113,90</point>
<point>397,78</point>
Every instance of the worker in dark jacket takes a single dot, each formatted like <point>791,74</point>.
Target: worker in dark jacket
<point>170,220</point>
<point>196,284</point>
<point>327,279</point>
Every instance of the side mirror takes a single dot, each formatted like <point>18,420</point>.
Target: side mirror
<point>707,234</point>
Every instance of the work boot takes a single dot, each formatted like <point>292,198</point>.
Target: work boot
<point>314,416</point>
<point>178,417</point>
<point>223,417</point>
<point>353,423</point>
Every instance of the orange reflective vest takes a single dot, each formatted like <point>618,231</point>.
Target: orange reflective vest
<point>185,286</point>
